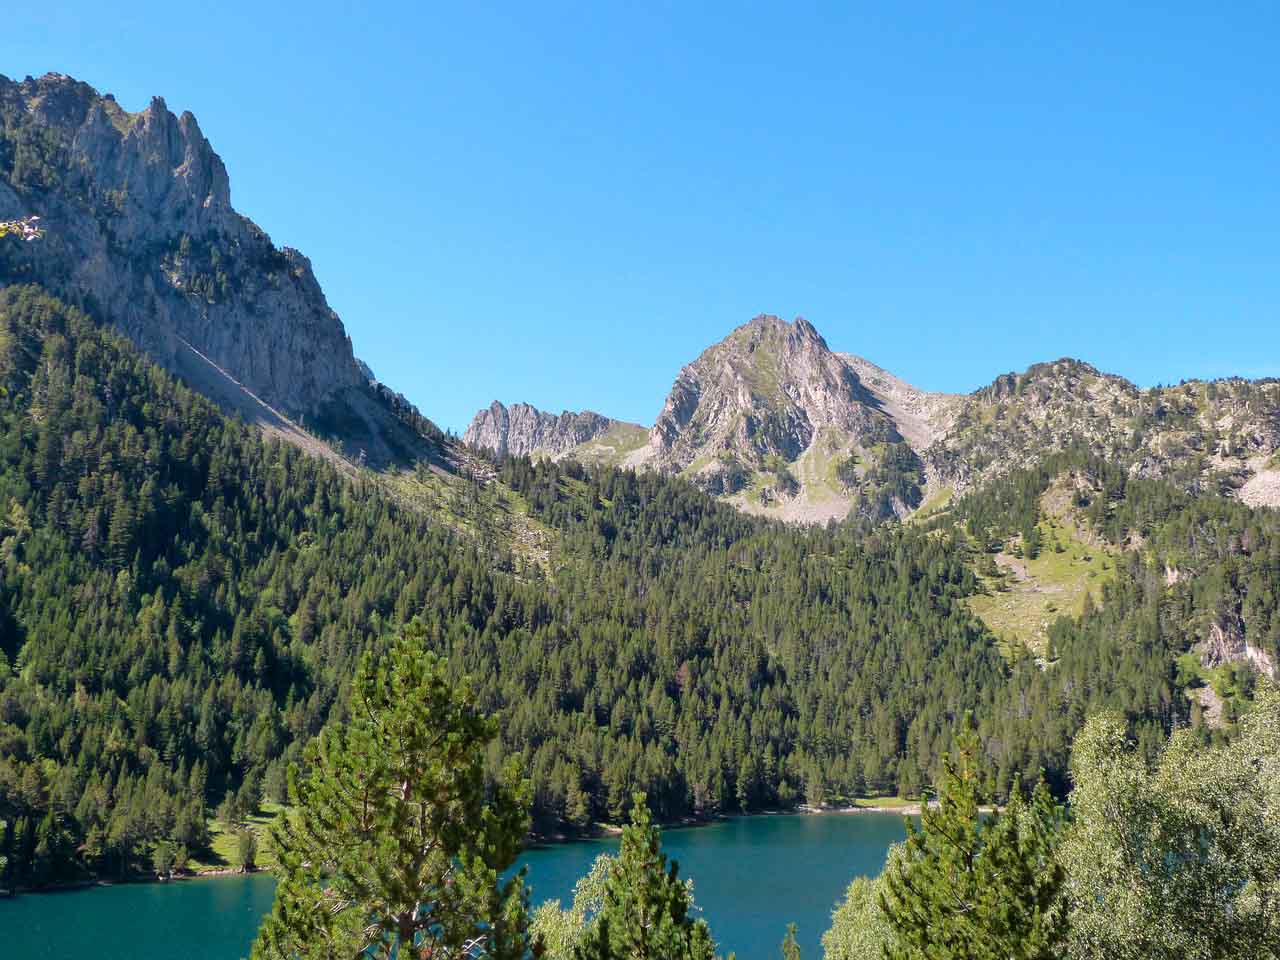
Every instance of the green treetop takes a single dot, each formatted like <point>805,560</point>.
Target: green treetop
<point>646,909</point>
<point>561,931</point>
<point>790,947</point>
<point>394,842</point>
<point>969,888</point>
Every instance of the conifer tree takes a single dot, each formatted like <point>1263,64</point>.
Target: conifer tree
<point>969,888</point>
<point>646,912</point>
<point>395,845</point>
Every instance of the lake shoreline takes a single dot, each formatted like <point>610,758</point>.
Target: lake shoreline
<point>79,885</point>
<point>754,875</point>
<point>603,830</point>
<point>537,841</point>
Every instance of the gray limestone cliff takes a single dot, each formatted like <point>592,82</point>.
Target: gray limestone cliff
<point>141,231</point>
<point>769,390</point>
<point>523,430</point>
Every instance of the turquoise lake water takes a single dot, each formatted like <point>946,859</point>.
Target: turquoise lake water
<point>752,875</point>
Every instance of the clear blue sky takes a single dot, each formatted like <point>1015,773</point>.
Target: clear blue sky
<point>564,203</point>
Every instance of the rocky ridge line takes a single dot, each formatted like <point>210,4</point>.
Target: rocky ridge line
<point>139,227</point>
<point>774,420</point>
<point>524,430</point>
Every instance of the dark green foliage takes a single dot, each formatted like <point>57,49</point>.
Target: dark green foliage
<point>182,601</point>
<point>31,156</point>
<point>1123,653</point>
<point>186,601</point>
<point>847,471</point>
<point>893,479</point>
<point>182,604</point>
<point>394,844</point>
<point>645,915</point>
<point>246,850</point>
<point>784,481</point>
<point>975,888</point>
<point>164,858</point>
<point>726,664</point>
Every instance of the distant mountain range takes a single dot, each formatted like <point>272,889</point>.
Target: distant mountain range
<point>140,231</point>
<point>182,604</point>
<point>774,420</point>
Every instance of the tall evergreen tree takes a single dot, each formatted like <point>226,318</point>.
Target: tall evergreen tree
<point>790,947</point>
<point>396,844</point>
<point>974,888</point>
<point>646,908</point>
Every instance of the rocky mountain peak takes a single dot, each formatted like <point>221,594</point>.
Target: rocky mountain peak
<point>767,390</point>
<point>524,430</point>
<point>1066,376</point>
<point>772,419</point>
<point>775,334</point>
<point>1211,437</point>
<point>140,229</point>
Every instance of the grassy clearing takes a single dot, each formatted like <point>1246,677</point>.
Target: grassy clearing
<point>1028,595</point>
<point>492,513</point>
<point>613,446</point>
<point>816,467</point>
<point>938,502</point>
<point>223,839</point>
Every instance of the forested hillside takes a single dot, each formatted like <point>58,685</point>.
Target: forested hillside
<point>1187,626</point>
<point>183,601</point>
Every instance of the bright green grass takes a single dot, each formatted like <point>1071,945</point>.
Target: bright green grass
<point>1020,611</point>
<point>223,839</point>
<point>936,503</point>
<point>816,468</point>
<point>495,513</point>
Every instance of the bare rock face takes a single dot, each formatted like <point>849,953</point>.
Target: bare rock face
<point>524,430</point>
<point>764,392</point>
<point>140,230</point>
<point>774,420</point>
<point>1226,643</point>
<point>921,416</point>
<point>770,408</point>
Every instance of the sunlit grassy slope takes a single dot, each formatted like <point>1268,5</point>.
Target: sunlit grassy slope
<point>1028,595</point>
<point>223,840</point>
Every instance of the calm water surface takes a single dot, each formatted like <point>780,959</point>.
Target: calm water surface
<point>752,875</point>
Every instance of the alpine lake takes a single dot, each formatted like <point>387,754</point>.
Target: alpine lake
<point>752,876</point>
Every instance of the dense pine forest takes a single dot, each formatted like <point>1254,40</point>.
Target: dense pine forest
<point>183,603</point>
